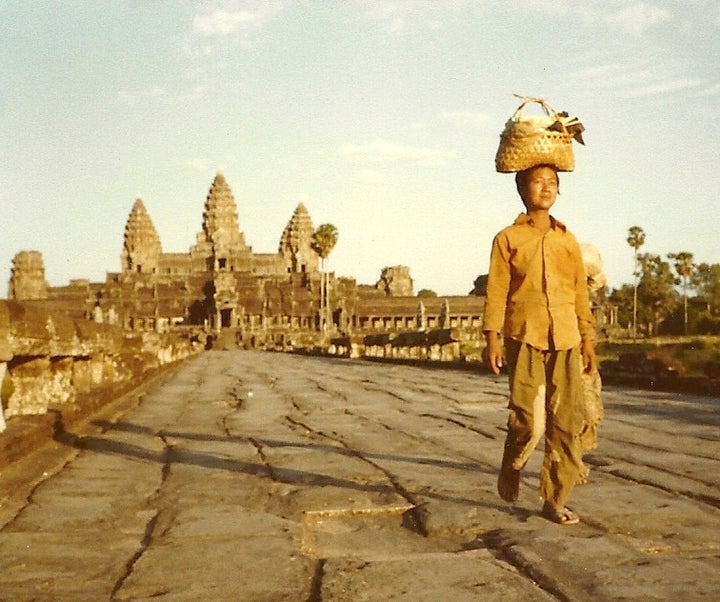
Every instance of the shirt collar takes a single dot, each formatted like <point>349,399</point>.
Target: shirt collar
<point>524,218</point>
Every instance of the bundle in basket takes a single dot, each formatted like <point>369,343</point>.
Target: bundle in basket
<point>529,140</point>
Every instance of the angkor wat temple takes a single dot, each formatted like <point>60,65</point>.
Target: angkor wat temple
<point>222,288</point>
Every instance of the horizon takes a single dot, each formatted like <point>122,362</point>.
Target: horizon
<point>382,117</point>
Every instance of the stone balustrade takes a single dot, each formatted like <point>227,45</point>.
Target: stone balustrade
<point>437,345</point>
<point>49,360</point>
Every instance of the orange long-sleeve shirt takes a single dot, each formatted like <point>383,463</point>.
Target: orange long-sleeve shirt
<point>537,291</point>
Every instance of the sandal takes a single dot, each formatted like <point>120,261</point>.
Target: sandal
<point>560,516</point>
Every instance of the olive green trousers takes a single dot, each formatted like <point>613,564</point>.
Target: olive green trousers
<point>545,398</point>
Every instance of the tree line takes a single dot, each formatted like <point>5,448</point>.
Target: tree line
<point>671,295</point>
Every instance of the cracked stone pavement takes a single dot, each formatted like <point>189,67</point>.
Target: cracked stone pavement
<point>269,477</point>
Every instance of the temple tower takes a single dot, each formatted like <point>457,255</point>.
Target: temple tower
<point>296,243</point>
<point>27,277</point>
<point>221,243</point>
<point>221,251</point>
<point>395,281</point>
<point>141,249</point>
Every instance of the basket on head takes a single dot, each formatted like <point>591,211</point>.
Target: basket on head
<point>533,140</point>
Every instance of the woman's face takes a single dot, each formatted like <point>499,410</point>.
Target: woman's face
<point>540,189</point>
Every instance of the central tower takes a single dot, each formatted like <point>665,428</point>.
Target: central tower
<point>221,244</point>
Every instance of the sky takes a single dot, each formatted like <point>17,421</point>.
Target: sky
<point>381,116</point>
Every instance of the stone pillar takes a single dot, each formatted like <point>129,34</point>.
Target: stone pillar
<point>3,368</point>
<point>6,354</point>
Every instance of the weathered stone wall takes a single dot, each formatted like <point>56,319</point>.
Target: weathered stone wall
<point>48,360</point>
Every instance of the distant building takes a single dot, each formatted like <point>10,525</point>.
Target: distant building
<point>221,287</point>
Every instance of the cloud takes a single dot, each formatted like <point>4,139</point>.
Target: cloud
<point>638,79</point>
<point>398,17</point>
<point>633,18</point>
<point>465,119</point>
<point>384,151</point>
<point>225,22</point>
<point>617,76</point>
<point>235,18</point>
<point>664,86</point>
<point>222,22</point>
<point>637,18</point>
<point>710,90</point>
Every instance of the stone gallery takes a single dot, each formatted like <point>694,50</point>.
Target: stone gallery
<point>220,287</point>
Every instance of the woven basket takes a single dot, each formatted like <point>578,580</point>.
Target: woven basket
<point>526,141</point>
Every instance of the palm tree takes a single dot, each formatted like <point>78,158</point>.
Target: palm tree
<point>324,241</point>
<point>636,239</point>
<point>683,264</point>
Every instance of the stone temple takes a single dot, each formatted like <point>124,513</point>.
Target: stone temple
<point>220,287</point>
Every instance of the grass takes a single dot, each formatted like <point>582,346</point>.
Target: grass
<point>692,353</point>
